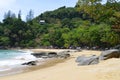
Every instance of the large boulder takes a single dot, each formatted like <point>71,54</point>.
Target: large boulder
<point>113,53</point>
<point>82,60</point>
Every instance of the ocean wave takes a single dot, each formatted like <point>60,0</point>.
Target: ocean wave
<point>22,56</point>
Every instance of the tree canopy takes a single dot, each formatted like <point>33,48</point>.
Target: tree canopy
<point>89,23</point>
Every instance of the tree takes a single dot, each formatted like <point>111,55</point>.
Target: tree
<point>9,14</point>
<point>4,41</point>
<point>111,38</point>
<point>19,15</point>
<point>30,16</point>
<point>13,15</point>
<point>90,7</point>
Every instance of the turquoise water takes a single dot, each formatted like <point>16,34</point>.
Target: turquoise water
<point>8,54</point>
<point>12,59</point>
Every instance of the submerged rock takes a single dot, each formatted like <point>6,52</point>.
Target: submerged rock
<point>113,53</point>
<point>82,60</point>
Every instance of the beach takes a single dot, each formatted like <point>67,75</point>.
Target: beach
<point>68,69</point>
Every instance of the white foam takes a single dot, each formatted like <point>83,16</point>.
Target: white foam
<point>26,51</point>
<point>4,68</point>
<point>26,56</point>
<point>17,61</point>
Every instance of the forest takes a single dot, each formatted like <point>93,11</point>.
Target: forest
<point>90,23</point>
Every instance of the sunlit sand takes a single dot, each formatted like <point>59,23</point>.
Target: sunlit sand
<point>69,70</point>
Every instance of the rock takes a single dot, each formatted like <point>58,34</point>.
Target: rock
<point>67,55</point>
<point>52,54</point>
<point>45,57</point>
<point>64,54</point>
<point>31,63</point>
<point>78,49</point>
<point>39,55</point>
<point>117,47</point>
<point>113,53</point>
<point>82,60</point>
<point>45,54</point>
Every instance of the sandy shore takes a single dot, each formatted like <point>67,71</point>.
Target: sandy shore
<point>68,70</point>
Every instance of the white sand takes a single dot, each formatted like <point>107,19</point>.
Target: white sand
<point>68,70</point>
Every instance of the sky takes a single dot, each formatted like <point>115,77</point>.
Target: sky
<point>38,6</point>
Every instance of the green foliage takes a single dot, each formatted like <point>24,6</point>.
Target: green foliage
<point>90,23</point>
<point>4,41</point>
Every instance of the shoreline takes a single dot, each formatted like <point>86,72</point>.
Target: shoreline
<point>69,70</point>
<point>25,69</point>
<point>41,63</point>
<point>46,64</point>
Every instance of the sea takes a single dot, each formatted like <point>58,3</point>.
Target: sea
<point>11,60</point>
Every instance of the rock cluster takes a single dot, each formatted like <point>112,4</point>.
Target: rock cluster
<point>63,55</point>
<point>112,53</point>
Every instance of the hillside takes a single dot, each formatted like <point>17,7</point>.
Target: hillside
<point>85,24</point>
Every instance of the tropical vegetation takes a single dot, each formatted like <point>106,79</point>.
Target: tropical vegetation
<point>89,23</point>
